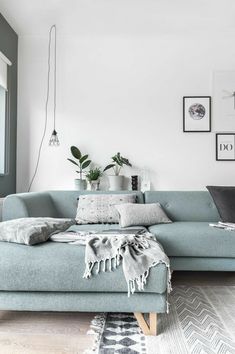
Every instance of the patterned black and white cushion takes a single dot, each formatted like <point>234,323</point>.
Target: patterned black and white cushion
<point>99,208</point>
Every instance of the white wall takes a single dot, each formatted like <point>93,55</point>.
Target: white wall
<point>123,92</point>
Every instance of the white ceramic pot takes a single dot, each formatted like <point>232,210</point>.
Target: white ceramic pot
<point>116,183</point>
<point>80,184</point>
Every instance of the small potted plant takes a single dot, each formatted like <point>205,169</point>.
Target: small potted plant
<point>82,163</point>
<point>116,180</point>
<point>93,178</point>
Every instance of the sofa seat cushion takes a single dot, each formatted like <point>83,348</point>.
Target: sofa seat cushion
<point>59,267</point>
<point>194,239</point>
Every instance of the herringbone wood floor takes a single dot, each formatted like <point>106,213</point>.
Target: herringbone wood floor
<point>65,333</point>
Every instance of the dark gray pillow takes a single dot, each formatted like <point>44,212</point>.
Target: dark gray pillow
<point>224,199</point>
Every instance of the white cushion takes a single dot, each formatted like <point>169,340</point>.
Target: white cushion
<point>141,214</point>
<point>30,231</point>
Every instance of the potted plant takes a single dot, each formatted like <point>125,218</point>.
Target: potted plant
<point>93,178</point>
<point>116,180</point>
<point>82,163</point>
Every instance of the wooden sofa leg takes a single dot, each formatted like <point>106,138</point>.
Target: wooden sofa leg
<point>148,330</point>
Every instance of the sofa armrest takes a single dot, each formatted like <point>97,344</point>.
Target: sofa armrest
<point>28,205</point>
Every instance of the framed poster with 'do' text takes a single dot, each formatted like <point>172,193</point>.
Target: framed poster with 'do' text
<point>225,147</point>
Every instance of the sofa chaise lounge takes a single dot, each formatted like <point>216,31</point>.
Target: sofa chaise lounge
<point>48,277</point>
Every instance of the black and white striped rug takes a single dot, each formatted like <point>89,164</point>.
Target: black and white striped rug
<point>201,321</point>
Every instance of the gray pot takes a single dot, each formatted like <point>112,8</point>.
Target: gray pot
<point>94,185</point>
<point>116,183</point>
<point>80,184</point>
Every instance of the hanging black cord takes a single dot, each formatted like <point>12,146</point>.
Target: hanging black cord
<point>55,76</point>
<point>46,105</point>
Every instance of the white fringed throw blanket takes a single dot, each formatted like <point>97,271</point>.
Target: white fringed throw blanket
<point>137,252</point>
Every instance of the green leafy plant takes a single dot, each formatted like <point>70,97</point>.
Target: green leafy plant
<point>94,174</point>
<point>117,163</point>
<point>82,160</point>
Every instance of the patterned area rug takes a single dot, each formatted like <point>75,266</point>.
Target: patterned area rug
<point>201,321</point>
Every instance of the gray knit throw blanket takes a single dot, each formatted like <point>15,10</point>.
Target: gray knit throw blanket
<point>137,253</point>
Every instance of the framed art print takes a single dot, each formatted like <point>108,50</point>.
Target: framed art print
<point>224,101</point>
<point>197,114</point>
<point>225,147</point>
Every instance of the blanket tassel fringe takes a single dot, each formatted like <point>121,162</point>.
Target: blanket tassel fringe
<point>108,264</point>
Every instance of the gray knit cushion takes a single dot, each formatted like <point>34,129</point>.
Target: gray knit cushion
<point>141,214</point>
<point>30,231</point>
<point>99,208</point>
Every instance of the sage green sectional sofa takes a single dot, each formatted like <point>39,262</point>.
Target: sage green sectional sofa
<point>189,242</point>
<point>48,277</point>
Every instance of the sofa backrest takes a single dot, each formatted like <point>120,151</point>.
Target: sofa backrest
<point>66,202</point>
<point>56,204</point>
<point>34,204</point>
<point>180,206</point>
<point>185,205</point>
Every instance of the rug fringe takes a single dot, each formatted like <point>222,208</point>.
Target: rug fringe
<point>96,328</point>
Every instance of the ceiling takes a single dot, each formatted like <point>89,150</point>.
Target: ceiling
<point>134,17</point>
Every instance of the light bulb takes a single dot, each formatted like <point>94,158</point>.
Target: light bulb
<point>54,140</point>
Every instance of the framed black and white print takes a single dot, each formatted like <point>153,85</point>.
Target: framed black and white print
<point>225,147</point>
<point>197,114</point>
